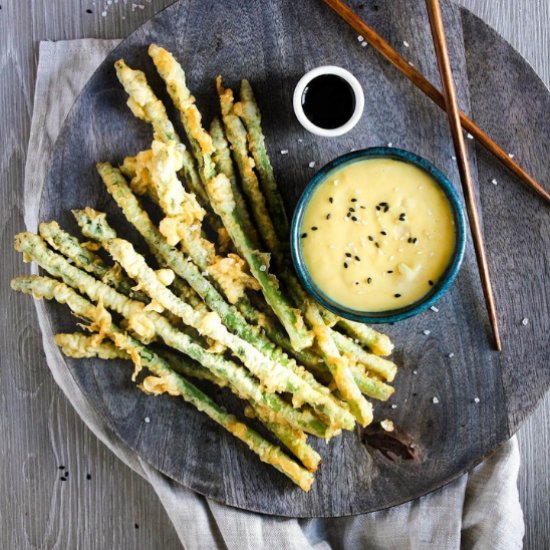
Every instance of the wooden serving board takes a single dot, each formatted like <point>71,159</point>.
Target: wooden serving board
<point>273,44</point>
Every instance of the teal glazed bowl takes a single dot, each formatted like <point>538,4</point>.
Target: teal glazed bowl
<point>439,288</point>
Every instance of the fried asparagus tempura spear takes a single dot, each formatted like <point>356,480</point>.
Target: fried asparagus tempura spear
<point>149,324</point>
<point>247,110</point>
<point>164,377</point>
<point>146,106</point>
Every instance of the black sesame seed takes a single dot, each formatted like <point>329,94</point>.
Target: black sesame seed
<point>369,280</point>
<point>363,207</point>
<point>371,238</point>
<point>351,209</point>
<point>397,295</point>
<point>358,258</point>
<point>88,476</point>
<point>377,245</point>
<point>61,467</point>
<point>303,235</point>
<point>328,216</point>
<point>136,526</point>
<point>345,265</point>
<point>383,233</point>
<point>354,200</point>
<point>348,214</point>
<point>377,207</point>
<point>354,218</point>
<point>356,282</point>
<point>414,240</point>
<point>390,271</point>
<point>89,11</point>
<point>386,208</point>
<point>314,228</point>
<point>348,255</point>
<point>409,240</point>
<point>431,283</point>
<point>331,200</point>
<point>63,478</point>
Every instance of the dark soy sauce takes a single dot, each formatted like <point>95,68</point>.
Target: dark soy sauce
<point>328,101</point>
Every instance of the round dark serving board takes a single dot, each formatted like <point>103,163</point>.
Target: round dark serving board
<point>273,44</point>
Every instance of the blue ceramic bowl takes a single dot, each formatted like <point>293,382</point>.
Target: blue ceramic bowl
<point>439,288</point>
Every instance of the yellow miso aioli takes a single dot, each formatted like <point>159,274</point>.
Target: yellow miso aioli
<point>377,234</point>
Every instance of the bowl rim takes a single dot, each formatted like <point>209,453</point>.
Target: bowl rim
<point>440,287</point>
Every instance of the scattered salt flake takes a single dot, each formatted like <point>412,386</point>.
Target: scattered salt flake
<point>435,400</point>
<point>451,355</point>
<point>103,14</point>
<point>364,44</point>
<point>477,399</point>
<point>284,151</point>
<point>312,164</point>
<point>300,140</point>
<point>494,181</point>
<point>390,144</point>
<point>525,321</point>
<point>415,372</point>
<point>411,63</point>
<point>469,136</point>
<point>453,158</point>
<point>146,420</point>
<point>360,38</point>
<point>394,406</point>
<point>405,43</point>
<point>426,332</point>
<point>387,425</point>
<point>511,155</point>
<point>263,268</point>
<point>434,309</point>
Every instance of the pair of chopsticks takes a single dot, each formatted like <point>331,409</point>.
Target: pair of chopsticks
<point>457,121</point>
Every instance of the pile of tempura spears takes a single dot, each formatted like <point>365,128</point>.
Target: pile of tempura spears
<point>223,303</point>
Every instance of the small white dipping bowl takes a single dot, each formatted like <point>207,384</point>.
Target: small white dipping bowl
<point>321,71</point>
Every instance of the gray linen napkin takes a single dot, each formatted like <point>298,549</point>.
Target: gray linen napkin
<point>479,510</point>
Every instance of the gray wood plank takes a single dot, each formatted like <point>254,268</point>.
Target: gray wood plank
<point>32,408</point>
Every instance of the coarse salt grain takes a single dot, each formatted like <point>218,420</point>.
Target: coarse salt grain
<point>451,355</point>
<point>360,38</point>
<point>469,136</point>
<point>312,164</point>
<point>525,321</point>
<point>405,43</point>
<point>146,420</point>
<point>426,332</point>
<point>387,425</point>
<point>415,372</point>
<point>511,155</point>
<point>364,44</point>
<point>477,399</point>
<point>300,140</point>
<point>435,400</point>
<point>411,63</point>
<point>434,309</point>
<point>394,406</point>
<point>494,181</point>
<point>390,144</point>
<point>284,151</point>
<point>453,158</point>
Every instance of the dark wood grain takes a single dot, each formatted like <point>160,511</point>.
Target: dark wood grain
<point>262,44</point>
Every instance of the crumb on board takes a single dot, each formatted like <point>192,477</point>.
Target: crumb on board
<point>525,321</point>
<point>435,400</point>
<point>426,332</point>
<point>477,399</point>
<point>394,406</point>
<point>387,425</point>
<point>494,181</point>
<point>146,420</point>
<point>312,164</point>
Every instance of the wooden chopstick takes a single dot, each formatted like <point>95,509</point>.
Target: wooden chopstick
<point>418,79</point>
<point>453,112</point>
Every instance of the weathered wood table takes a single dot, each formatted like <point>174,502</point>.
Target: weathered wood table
<point>115,508</point>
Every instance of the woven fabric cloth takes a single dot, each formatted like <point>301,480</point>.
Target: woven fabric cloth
<point>479,510</point>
